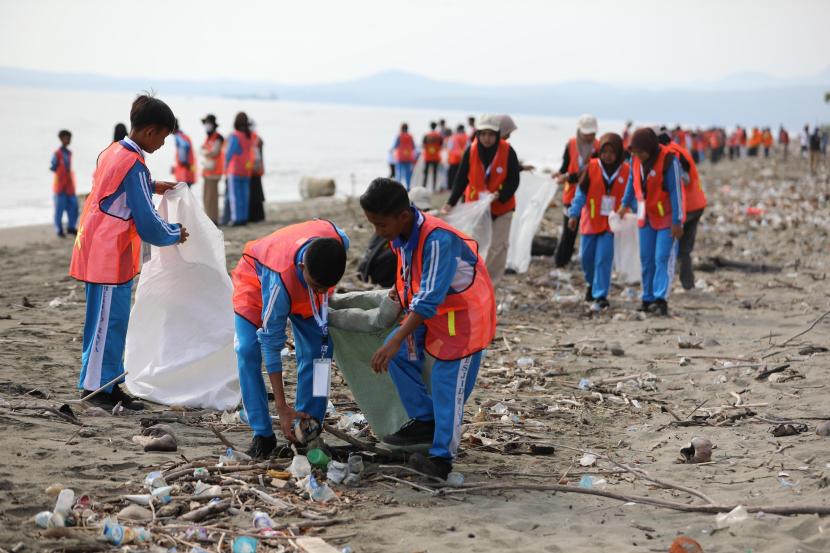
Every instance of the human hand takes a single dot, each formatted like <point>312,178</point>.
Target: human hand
<point>384,354</point>
<point>445,209</point>
<point>184,235</point>
<point>160,187</point>
<point>622,211</point>
<point>287,416</point>
<point>677,232</point>
<point>572,223</point>
<point>561,178</point>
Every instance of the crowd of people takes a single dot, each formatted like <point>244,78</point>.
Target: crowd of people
<point>445,288</point>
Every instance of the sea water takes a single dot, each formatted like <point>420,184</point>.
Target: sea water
<point>347,143</point>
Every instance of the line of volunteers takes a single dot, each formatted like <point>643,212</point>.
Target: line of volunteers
<point>444,287</point>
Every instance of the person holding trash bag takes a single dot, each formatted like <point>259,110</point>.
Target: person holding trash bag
<point>450,313</point>
<point>578,151</point>
<point>598,194</point>
<point>654,189</point>
<point>119,214</point>
<point>490,164</point>
<point>286,276</point>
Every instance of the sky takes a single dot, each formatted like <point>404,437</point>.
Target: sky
<point>624,42</point>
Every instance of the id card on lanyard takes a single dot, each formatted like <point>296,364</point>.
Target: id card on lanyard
<point>321,374</point>
<point>609,202</point>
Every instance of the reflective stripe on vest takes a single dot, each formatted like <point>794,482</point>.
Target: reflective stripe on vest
<point>241,164</point>
<point>466,321</point>
<point>591,221</point>
<point>107,249</point>
<point>658,203</point>
<point>490,179</point>
<point>575,165</point>
<point>277,252</point>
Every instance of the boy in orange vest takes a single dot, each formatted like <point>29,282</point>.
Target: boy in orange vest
<point>286,276</point>
<point>450,313</point>
<point>117,216</point>
<point>63,186</point>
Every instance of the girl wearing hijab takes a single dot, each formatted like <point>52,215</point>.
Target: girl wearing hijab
<point>598,194</point>
<point>654,189</point>
<point>490,165</point>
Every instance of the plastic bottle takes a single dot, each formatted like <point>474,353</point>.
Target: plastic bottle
<point>201,472</point>
<point>245,544</point>
<point>318,458</point>
<point>300,467</point>
<point>114,532</point>
<point>355,463</point>
<point>337,472</point>
<point>524,362</point>
<point>48,519</point>
<point>63,506</point>
<point>262,520</point>
<point>154,480</point>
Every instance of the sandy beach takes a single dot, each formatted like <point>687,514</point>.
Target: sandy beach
<point>712,369</point>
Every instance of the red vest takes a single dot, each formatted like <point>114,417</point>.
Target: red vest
<point>242,164</point>
<point>591,221</point>
<point>276,251</point>
<point>64,181</point>
<point>107,249</point>
<point>187,172</point>
<point>457,145</point>
<point>481,179</point>
<point>694,199</point>
<point>256,153</point>
<point>432,146</point>
<point>218,161</point>
<point>575,165</point>
<point>405,152</point>
<point>658,203</point>
<point>466,321</point>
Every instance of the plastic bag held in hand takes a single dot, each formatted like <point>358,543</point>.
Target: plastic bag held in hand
<point>626,247</point>
<point>474,220</point>
<point>180,339</point>
<point>534,194</point>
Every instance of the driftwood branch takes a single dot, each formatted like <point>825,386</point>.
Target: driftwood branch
<point>802,333</point>
<point>365,446</point>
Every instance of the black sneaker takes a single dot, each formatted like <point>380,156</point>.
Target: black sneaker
<point>645,307</point>
<point>600,305</point>
<point>660,307</point>
<point>588,294</point>
<point>102,400</point>
<point>71,231</point>
<point>438,467</point>
<point>127,401</point>
<point>262,447</point>
<point>413,432</point>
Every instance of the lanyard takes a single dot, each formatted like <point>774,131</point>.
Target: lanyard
<point>609,181</point>
<point>321,316</point>
<point>406,270</point>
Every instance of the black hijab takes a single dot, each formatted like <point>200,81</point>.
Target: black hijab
<point>486,155</point>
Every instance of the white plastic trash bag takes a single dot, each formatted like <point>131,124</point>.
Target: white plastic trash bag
<point>474,220</point>
<point>180,339</point>
<point>626,247</point>
<point>533,196</point>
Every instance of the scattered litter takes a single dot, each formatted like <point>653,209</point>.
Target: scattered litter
<point>588,460</point>
<point>823,429</point>
<point>698,451</point>
<point>733,517</point>
<point>685,544</point>
<point>788,429</point>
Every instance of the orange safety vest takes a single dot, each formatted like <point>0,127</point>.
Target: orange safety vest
<point>591,220</point>
<point>783,137</point>
<point>185,173</point>
<point>107,248</point>
<point>64,181</point>
<point>218,161</point>
<point>457,145</point>
<point>767,139</point>
<point>276,251</point>
<point>658,203</point>
<point>242,164</point>
<point>741,137</point>
<point>405,152</point>
<point>432,146</point>
<point>575,165</point>
<point>755,139</point>
<point>694,199</point>
<point>489,179</point>
<point>466,321</point>
<point>256,153</point>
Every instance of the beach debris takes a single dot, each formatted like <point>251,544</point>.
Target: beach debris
<point>27,303</point>
<point>788,429</point>
<point>699,450</point>
<point>54,489</point>
<point>588,460</point>
<point>733,517</point>
<point>245,544</point>
<point>823,429</point>
<point>616,349</point>
<point>315,187</point>
<point>689,342</point>
<point>165,442</point>
<point>685,544</point>
<point>337,472</point>
<point>685,362</point>
<point>455,479</point>
<point>318,458</point>
<point>306,430</point>
<point>135,512</point>
<point>300,467</point>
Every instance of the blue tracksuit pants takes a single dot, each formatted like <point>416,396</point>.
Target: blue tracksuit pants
<point>237,200</point>
<point>307,339</point>
<point>597,253</point>
<point>658,255</point>
<point>451,384</point>
<point>105,334</point>
<point>66,203</point>
<point>403,172</point>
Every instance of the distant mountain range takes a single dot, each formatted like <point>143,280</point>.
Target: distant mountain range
<point>745,98</point>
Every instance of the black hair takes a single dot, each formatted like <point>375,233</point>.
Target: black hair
<point>148,110</point>
<point>460,128</point>
<point>325,260</point>
<point>442,121</point>
<point>240,123</point>
<point>404,127</point>
<point>64,132</point>
<point>385,196</point>
<point>120,132</point>
<point>432,125</point>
